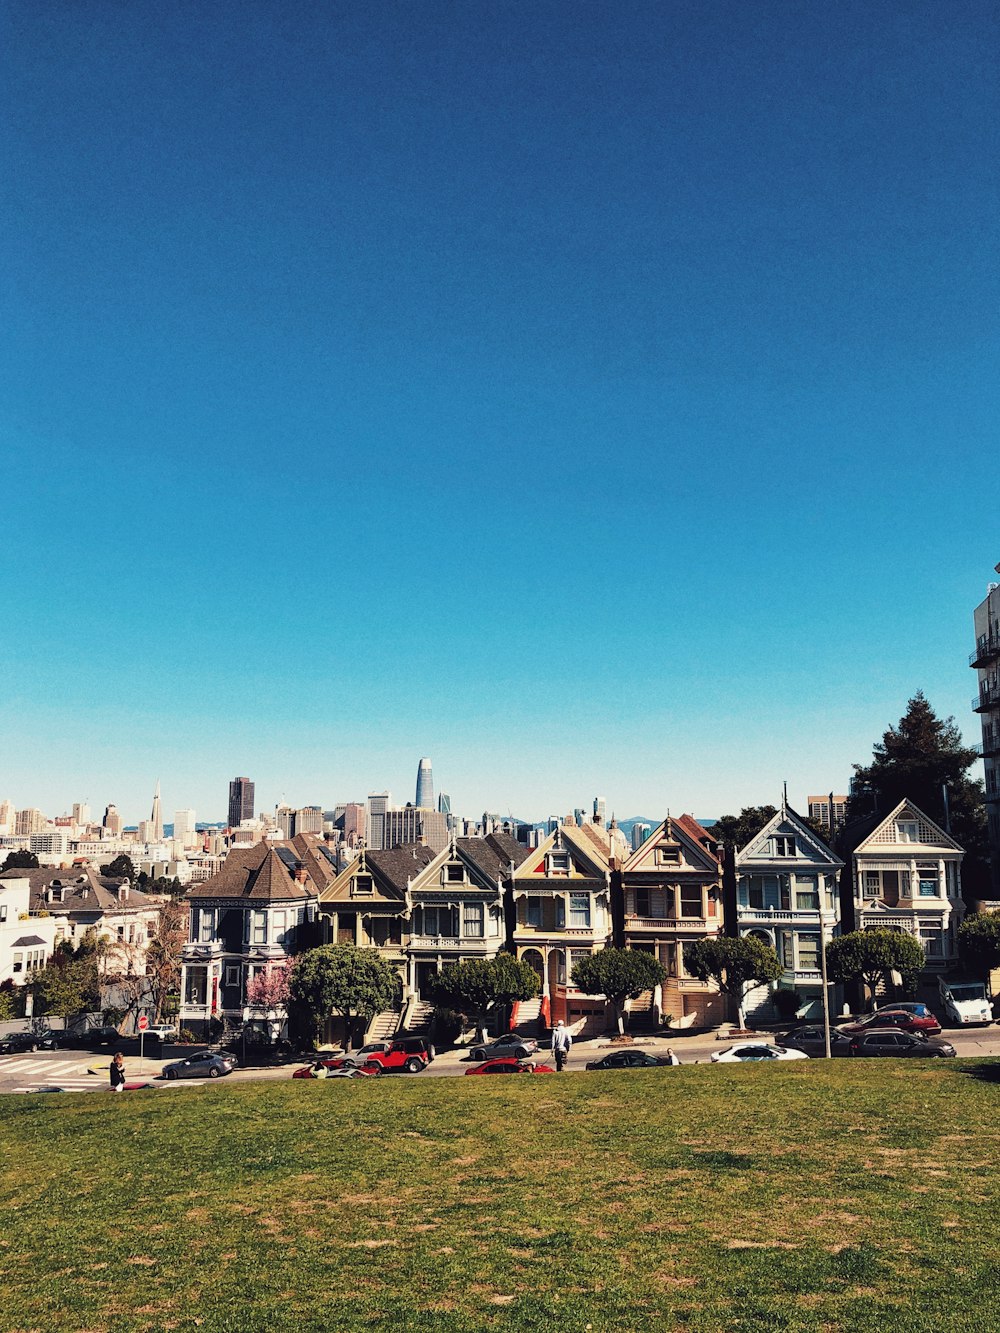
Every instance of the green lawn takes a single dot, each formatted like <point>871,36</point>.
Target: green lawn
<point>842,1196</point>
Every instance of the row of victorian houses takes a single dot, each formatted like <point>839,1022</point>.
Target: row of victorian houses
<point>579,891</point>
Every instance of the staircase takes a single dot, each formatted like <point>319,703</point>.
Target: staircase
<point>418,1016</point>
<point>642,1013</point>
<point>526,1015</point>
<point>383,1026</point>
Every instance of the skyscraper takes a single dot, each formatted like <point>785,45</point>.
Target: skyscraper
<point>378,804</point>
<point>240,801</point>
<point>425,786</point>
<point>112,821</point>
<point>600,811</point>
<point>986,661</point>
<point>184,826</point>
<point>156,816</point>
<point>640,832</point>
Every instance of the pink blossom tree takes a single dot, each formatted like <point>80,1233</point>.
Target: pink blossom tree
<point>267,995</point>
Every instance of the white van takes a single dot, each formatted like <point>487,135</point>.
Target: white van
<point>965,1002</point>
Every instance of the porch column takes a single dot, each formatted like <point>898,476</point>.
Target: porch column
<point>357,929</point>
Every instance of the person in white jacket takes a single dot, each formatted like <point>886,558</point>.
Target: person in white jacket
<point>561,1043</point>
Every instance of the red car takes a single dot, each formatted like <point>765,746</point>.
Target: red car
<point>904,1019</point>
<point>404,1055</point>
<point>508,1065</point>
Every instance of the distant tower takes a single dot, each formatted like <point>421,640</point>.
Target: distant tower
<point>113,821</point>
<point>640,832</point>
<point>600,811</point>
<point>156,815</point>
<point>240,801</point>
<point>425,786</point>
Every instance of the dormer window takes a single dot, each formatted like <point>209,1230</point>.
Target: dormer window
<point>559,863</point>
<point>454,874</point>
<point>55,895</point>
<point>669,854</point>
<point>784,845</point>
<point>908,830</point>
<point>362,886</point>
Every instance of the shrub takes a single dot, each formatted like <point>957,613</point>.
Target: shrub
<point>787,1001</point>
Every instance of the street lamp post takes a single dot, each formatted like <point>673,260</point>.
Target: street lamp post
<point>826,984</point>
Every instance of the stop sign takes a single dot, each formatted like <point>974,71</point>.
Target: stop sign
<point>143,1022</point>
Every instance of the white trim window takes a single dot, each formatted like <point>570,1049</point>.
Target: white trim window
<point>258,927</point>
<point>579,911</point>
<point>473,924</point>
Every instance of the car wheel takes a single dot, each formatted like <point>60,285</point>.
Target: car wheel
<point>413,1066</point>
<point>477,1055</point>
<point>171,1073</point>
<point>213,1073</point>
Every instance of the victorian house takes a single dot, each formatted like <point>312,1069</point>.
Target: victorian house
<point>562,912</point>
<point>907,875</point>
<point>457,906</point>
<point>671,888</point>
<point>256,913</point>
<point>787,896</point>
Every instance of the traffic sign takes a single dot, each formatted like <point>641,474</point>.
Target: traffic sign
<point>143,1022</point>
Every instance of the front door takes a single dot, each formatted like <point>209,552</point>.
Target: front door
<point>424,973</point>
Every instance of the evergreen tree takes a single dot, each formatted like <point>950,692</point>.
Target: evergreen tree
<point>618,975</point>
<point>20,861</point>
<point>915,761</point>
<point>736,831</point>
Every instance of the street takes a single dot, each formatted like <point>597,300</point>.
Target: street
<point>69,1071</point>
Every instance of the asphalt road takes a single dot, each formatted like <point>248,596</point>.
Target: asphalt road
<point>69,1069</point>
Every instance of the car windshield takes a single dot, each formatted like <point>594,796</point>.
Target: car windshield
<point>967,992</point>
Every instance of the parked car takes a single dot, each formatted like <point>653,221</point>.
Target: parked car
<point>810,1040</point>
<point>509,1044</point>
<point>49,1040</point>
<point>506,1064</point>
<point>101,1036</point>
<point>746,1051</point>
<point>891,1041</point>
<point>905,1019</point>
<point>630,1060</point>
<point>409,1054</point>
<point>45,1087</point>
<point>203,1064</point>
<point>15,1042</point>
<point>359,1056</point>
<point>161,1032</point>
<point>965,1002</point>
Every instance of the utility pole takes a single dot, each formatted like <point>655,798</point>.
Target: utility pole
<point>826,984</point>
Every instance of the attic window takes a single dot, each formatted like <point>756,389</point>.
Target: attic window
<point>559,863</point>
<point>454,874</point>
<point>784,845</point>
<point>668,855</point>
<point>909,830</point>
<point>362,885</point>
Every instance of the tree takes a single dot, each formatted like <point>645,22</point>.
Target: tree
<point>343,979</point>
<point>979,944</point>
<point>68,984</point>
<point>871,956</point>
<point>737,830</point>
<point>734,964</point>
<point>20,861</point>
<point>618,975</point>
<point>120,868</point>
<point>481,984</point>
<point>163,954</point>
<point>915,761</point>
<point>268,994</point>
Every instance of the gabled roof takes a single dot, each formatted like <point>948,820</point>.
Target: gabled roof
<point>84,889</point>
<point>493,855</point>
<point>930,835</point>
<point>391,872</point>
<point>257,874</point>
<point>813,850</point>
<point>589,857</point>
<point>693,840</point>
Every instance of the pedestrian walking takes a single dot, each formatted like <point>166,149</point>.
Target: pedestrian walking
<point>118,1073</point>
<point>561,1043</point>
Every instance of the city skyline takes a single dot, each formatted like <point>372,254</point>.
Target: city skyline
<point>670,327</point>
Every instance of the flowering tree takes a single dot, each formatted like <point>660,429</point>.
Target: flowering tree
<point>268,994</point>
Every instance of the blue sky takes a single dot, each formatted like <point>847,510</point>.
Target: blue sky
<point>595,398</point>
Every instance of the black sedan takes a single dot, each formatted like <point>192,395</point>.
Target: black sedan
<point>892,1042</point>
<point>630,1060</point>
<point>203,1064</point>
<point>810,1040</point>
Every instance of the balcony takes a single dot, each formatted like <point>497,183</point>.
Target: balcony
<point>449,944</point>
<point>987,698</point>
<point>633,923</point>
<point>986,651</point>
<point>803,915</point>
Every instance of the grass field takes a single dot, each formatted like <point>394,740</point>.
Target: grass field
<point>841,1196</point>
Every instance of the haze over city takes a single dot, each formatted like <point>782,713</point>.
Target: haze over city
<point>594,400</point>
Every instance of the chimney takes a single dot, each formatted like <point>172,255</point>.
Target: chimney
<point>300,873</point>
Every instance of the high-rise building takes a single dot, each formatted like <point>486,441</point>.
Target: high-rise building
<point>821,813</point>
<point>81,813</point>
<point>378,804</point>
<point>27,822</point>
<point>425,786</point>
<point>309,819</point>
<point>285,819</point>
<point>986,661</point>
<point>444,803</point>
<point>640,832</point>
<point>412,823</point>
<point>156,816</point>
<point>600,811</point>
<point>112,821</point>
<point>7,817</point>
<point>240,801</point>
<point>184,826</point>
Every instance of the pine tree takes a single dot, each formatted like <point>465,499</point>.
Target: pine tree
<point>915,761</point>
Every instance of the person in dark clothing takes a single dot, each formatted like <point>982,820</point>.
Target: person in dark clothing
<point>118,1073</point>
